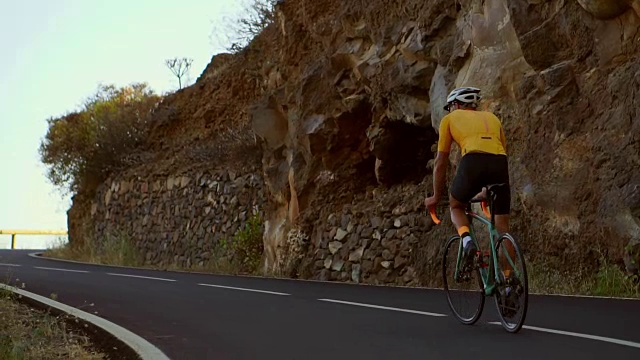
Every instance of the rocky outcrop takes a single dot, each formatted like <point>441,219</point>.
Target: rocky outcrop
<point>609,9</point>
<point>346,99</point>
<point>579,110</point>
<point>552,71</point>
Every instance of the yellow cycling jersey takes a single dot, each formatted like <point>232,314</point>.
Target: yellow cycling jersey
<point>473,131</point>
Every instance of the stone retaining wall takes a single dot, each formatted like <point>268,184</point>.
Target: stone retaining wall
<point>177,220</point>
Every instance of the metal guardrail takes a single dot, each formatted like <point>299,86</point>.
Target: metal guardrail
<point>14,233</point>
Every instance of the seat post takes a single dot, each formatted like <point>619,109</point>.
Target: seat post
<point>492,195</point>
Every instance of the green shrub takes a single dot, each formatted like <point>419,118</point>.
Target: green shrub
<point>608,280</point>
<point>246,247</point>
<point>612,281</point>
<point>83,147</point>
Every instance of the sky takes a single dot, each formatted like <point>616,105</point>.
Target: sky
<point>55,53</point>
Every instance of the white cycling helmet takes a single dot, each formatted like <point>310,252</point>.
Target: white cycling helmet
<point>467,95</point>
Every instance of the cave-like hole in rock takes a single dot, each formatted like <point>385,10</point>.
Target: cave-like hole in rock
<point>354,154</point>
<point>405,150</point>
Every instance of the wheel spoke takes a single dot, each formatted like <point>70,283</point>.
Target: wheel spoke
<point>512,295</point>
<point>464,288</point>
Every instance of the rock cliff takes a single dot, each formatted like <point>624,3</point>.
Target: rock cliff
<point>330,116</point>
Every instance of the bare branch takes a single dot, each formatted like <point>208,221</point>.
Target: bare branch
<point>179,67</point>
<point>242,29</point>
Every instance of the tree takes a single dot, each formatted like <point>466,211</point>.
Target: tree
<point>179,67</point>
<point>82,148</point>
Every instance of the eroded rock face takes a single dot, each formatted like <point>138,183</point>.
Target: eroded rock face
<point>606,9</point>
<point>349,102</point>
<point>542,67</point>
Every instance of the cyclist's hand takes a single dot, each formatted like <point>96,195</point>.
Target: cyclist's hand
<point>431,202</point>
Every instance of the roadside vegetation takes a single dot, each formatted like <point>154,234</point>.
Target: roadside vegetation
<point>82,148</point>
<point>27,334</point>
<point>610,281</point>
<point>115,249</point>
<point>240,254</point>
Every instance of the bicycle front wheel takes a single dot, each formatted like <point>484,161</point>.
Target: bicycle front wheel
<point>465,290</point>
<point>512,295</point>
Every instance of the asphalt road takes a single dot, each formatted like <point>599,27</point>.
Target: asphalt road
<point>197,316</point>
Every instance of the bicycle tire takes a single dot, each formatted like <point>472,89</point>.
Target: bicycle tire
<point>524,280</point>
<point>478,310</point>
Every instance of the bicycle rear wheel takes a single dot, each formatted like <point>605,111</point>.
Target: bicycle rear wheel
<point>465,293</point>
<point>512,295</point>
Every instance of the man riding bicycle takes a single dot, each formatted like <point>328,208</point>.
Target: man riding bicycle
<point>482,142</point>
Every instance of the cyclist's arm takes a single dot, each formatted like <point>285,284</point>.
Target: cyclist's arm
<point>503,139</point>
<point>440,173</point>
<point>442,158</point>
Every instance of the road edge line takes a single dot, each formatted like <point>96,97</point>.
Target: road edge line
<point>607,339</point>
<point>244,289</point>
<point>382,307</point>
<point>37,255</point>
<point>140,346</point>
<point>141,277</point>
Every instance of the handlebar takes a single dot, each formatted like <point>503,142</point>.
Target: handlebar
<point>434,217</point>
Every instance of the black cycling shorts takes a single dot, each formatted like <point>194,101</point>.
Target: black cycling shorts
<point>477,170</point>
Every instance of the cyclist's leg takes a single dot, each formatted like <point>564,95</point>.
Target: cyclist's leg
<point>465,186</point>
<point>502,205</point>
<point>458,216</point>
<point>502,223</point>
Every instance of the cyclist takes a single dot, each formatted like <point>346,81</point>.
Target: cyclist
<point>482,142</point>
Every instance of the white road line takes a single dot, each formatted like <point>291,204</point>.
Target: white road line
<point>37,256</point>
<point>140,277</point>
<point>383,307</point>
<point>54,269</point>
<point>16,265</point>
<point>244,289</point>
<point>585,336</point>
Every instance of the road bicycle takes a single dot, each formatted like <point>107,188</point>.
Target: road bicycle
<point>495,272</point>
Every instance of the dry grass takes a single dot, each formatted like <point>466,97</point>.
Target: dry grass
<point>26,333</point>
<point>112,250</point>
<point>239,255</point>
<point>122,254</point>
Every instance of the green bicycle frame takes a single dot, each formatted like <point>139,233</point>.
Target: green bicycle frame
<point>489,278</point>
